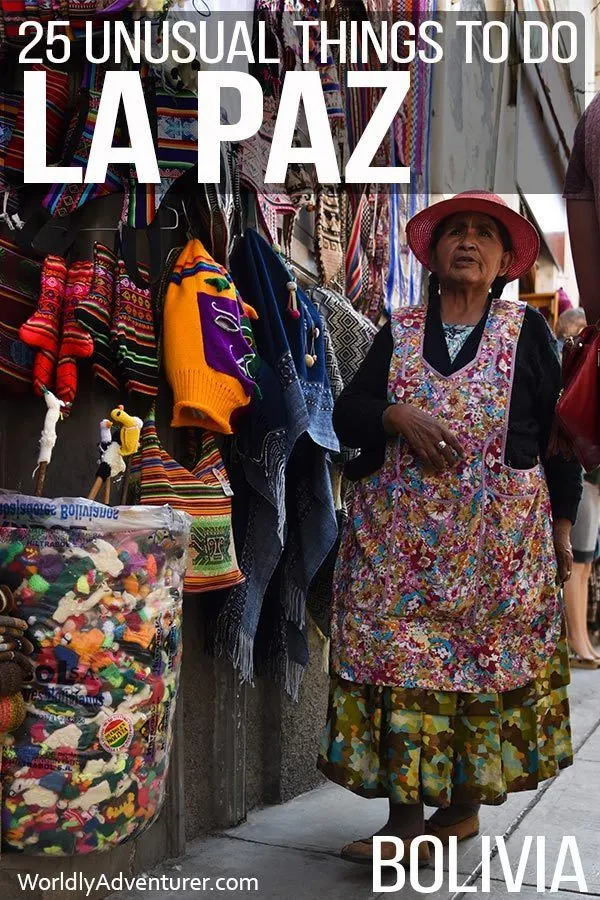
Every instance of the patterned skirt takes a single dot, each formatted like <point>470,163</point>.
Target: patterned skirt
<point>438,747</point>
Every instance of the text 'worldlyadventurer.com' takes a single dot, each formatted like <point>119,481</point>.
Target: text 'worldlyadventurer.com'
<point>169,884</point>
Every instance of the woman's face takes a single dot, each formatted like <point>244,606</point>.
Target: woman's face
<point>469,251</point>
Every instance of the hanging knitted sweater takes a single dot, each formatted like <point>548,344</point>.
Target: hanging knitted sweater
<point>207,358</point>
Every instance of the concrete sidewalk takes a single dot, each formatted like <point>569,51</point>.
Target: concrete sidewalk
<point>292,850</point>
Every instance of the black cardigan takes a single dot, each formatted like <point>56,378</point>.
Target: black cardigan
<point>357,416</point>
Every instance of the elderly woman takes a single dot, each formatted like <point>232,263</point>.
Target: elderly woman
<point>448,655</point>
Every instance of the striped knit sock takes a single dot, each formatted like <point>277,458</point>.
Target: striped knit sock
<point>76,342</point>
<point>42,329</point>
<point>133,335</point>
<point>44,371</point>
<point>66,380</point>
<point>94,313</point>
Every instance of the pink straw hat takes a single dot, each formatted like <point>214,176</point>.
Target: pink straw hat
<point>524,237</point>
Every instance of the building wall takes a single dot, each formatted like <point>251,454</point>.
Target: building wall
<point>455,164</point>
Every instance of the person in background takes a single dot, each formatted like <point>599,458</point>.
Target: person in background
<point>449,661</point>
<point>564,301</point>
<point>593,617</point>
<point>582,193</point>
<point>584,538</point>
<point>569,324</point>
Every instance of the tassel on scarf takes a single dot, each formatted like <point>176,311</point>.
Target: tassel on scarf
<point>292,307</point>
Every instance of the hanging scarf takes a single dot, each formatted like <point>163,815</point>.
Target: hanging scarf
<point>295,400</point>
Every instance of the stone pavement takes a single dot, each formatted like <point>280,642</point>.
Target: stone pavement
<point>292,850</point>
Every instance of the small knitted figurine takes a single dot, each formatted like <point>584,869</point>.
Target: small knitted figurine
<point>110,464</point>
<point>147,9</point>
<point>129,435</point>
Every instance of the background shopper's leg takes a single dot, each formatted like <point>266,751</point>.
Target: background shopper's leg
<point>576,598</point>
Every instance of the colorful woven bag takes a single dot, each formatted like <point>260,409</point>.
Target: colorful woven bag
<point>64,199</point>
<point>204,493</point>
<point>174,123</point>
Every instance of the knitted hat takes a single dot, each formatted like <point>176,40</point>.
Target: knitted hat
<point>206,357</point>
<point>564,301</point>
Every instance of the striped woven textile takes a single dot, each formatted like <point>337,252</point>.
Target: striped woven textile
<point>63,199</point>
<point>177,130</point>
<point>133,334</point>
<point>13,13</point>
<point>204,494</point>
<point>95,313</point>
<point>139,207</point>
<point>19,290</point>
<point>78,12</point>
<point>39,9</point>
<point>353,256</point>
<point>10,103</point>
<point>57,99</point>
<point>175,123</point>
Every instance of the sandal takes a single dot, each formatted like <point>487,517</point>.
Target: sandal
<point>361,851</point>
<point>581,662</point>
<point>462,830</point>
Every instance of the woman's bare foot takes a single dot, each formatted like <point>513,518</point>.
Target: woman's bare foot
<point>583,651</point>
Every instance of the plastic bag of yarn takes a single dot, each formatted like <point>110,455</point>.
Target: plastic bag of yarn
<point>101,589</point>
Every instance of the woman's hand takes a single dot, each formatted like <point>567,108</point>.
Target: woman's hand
<point>434,444</point>
<point>563,549</point>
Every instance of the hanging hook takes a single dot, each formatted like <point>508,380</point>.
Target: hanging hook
<point>189,232</point>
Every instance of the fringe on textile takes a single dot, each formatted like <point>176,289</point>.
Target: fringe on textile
<point>294,605</point>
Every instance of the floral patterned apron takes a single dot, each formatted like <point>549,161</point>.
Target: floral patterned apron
<point>447,581</point>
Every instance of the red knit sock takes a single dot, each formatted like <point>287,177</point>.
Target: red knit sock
<point>75,339</point>
<point>42,329</point>
<point>66,380</point>
<point>44,371</point>
<point>76,342</point>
